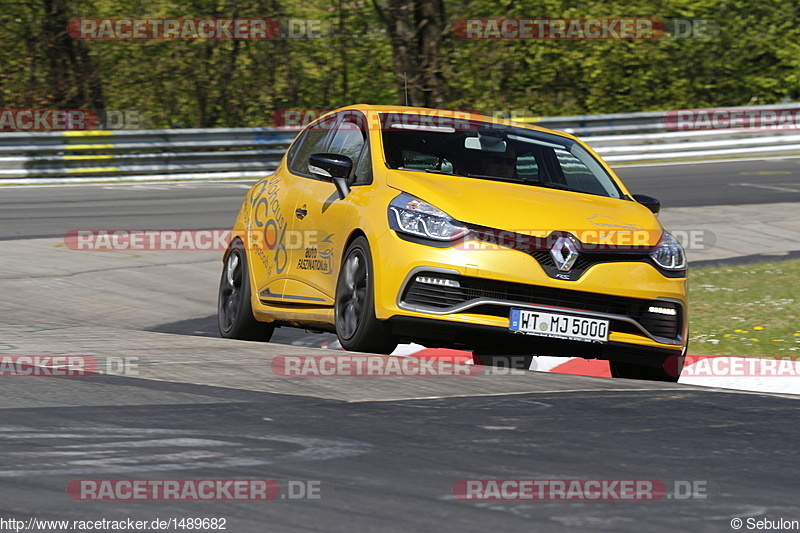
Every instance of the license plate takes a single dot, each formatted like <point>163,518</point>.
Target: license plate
<point>570,327</point>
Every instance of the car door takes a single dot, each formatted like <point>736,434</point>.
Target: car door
<point>274,205</point>
<point>320,225</point>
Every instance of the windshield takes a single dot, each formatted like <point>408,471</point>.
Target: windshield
<point>496,152</point>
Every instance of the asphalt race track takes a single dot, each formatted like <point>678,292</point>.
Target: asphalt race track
<point>392,465</point>
<point>385,453</point>
<point>28,212</point>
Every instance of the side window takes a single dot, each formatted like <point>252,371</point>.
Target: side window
<point>293,148</point>
<point>348,140</point>
<point>364,168</point>
<point>313,141</point>
<point>527,167</point>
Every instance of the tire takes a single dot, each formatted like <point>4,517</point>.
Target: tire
<point>669,371</point>
<point>234,313</point>
<point>356,326</point>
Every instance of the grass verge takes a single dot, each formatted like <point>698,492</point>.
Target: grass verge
<point>745,310</point>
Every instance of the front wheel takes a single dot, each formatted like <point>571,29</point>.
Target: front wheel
<point>670,371</point>
<point>356,326</point>
<point>234,314</point>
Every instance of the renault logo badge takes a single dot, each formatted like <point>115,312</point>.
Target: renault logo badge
<point>564,252</point>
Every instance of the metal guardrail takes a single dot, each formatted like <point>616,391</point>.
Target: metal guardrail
<point>181,154</point>
<point>141,154</point>
<point>694,145</point>
<point>644,122</point>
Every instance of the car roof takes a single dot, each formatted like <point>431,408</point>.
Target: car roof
<point>457,114</point>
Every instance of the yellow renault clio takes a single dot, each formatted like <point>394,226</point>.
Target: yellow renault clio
<point>395,224</point>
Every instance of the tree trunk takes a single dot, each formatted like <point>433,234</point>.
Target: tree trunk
<point>416,29</point>
<point>74,80</point>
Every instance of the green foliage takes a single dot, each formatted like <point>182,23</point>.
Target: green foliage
<point>755,58</point>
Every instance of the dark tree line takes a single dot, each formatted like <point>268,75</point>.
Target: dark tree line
<point>393,51</point>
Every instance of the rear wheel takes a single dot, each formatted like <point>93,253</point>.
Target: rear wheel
<point>356,326</point>
<point>234,313</point>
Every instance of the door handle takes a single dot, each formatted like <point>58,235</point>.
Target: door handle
<point>300,213</point>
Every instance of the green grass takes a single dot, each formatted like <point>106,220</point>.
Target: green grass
<point>745,310</point>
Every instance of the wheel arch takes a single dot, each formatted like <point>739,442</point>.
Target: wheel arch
<point>234,239</point>
<point>354,234</point>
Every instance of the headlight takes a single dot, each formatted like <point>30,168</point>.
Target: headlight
<point>669,253</point>
<point>409,214</point>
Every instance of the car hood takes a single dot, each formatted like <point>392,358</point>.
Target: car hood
<point>533,210</point>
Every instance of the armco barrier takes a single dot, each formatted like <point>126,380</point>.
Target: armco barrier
<point>141,154</point>
<point>133,155</point>
<point>629,123</point>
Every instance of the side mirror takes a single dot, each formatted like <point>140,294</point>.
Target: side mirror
<point>335,168</point>
<point>649,202</point>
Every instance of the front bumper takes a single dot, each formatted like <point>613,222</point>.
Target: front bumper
<point>499,341</point>
<point>492,282</point>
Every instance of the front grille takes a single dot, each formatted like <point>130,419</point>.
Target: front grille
<point>588,254</point>
<point>441,297</point>
<point>587,259</point>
